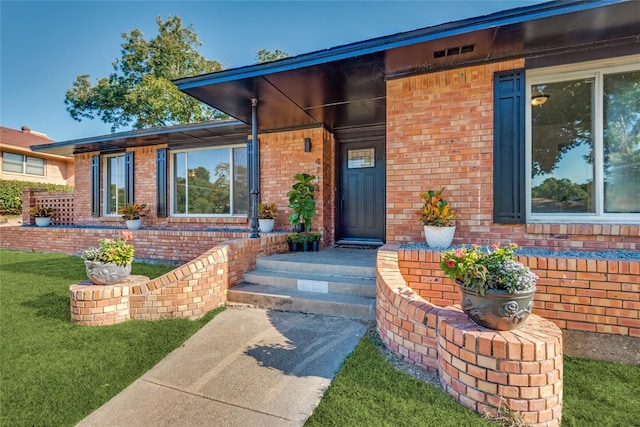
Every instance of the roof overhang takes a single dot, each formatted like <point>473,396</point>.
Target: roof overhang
<point>344,87</point>
<point>191,135</point>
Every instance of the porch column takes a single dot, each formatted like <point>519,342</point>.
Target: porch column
<point>255,169</point>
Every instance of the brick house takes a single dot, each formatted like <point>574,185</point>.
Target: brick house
<point>455,105</point>
<point>20,163</point>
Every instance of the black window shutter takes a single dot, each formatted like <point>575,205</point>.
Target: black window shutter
<point>509,148</point>
<point>161,182</point>
<point>95,185</point>
<point>128,177</point>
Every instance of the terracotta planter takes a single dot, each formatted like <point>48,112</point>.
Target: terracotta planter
<point>106,273</point>
<point>439,237</point>
<point>43,221</point>
<point>134,224</point>
<point>497,309</point>
<point>266,225</point>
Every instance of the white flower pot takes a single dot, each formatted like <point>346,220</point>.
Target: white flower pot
<point>134,224</point>
<point>43,221</point>
<point>439,237</point>
<point>266,225</point>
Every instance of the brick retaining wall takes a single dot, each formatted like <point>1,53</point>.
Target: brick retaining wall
<point>480,368</point>
<point>175,246</point>
<point>189,291</point>
<point>574,293</point>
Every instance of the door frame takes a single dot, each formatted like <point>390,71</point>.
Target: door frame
<point>359,134</point>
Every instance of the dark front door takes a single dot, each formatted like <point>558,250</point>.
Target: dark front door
<point>361,190</point>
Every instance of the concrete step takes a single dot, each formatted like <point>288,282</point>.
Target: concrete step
<point>349,263</point>
<point>303,281</point>
<point>287,299</point>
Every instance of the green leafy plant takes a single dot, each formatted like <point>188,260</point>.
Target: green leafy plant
<point>301,200</point>
<point>436,210</point>
<point>315,236</point>
<point>267,210</point>
<point>293,237</point>
<point>477,269</point>
<point>115,251</point>
<point>133,211</point>
<point>41,211</point>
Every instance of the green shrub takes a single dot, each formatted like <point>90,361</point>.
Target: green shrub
<point>11,194</point>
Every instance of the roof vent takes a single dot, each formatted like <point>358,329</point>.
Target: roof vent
<point>26,129</point>
<point>453,51</point>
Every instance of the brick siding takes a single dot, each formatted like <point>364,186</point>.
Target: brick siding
<point>440,134</point>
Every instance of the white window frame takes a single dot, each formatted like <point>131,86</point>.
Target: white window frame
<point>596,70</point>
<point>24,161</point>
<point>105,183</point>
<point>172,190</point>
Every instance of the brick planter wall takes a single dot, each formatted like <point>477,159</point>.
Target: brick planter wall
<point>175,246</point>
<point>574,293</point>
<point>480,368</point>
<point>189,291</point>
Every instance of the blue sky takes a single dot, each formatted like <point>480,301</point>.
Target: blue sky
<point>44,45</point>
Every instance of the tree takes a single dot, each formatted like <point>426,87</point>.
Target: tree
<point>139,92</point>
<point>263,55</point>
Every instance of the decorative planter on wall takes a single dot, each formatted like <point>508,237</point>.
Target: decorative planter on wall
<point>134,224</point>
<point>497,309</point>
<point>106,273</point>
<point>43,221</point>
<point>266,225</point>
<point>439,237</point>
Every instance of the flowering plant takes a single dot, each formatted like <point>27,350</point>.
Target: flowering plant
<point>115,251</point>
<point>492,268</point>
<point>133,211</point>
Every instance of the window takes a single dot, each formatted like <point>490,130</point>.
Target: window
<point>210,182</point>
<point>584,144</point>
<point>18,163</point>
<point>114,183</point>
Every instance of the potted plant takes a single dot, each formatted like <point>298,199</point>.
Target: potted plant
<point>315,237</point>
<point>267,213</point>
<point>437,218</point>
<point>132,214</point>
<point>42,215</point>
<point>292,240</point>
<point>497,290</point>
<point>110,262</point>
<point>301,201</point>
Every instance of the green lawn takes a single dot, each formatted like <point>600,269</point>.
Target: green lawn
<point>368,391</point>
<point>55,373</point>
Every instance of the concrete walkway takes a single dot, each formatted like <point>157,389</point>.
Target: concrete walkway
<point>246,367</point>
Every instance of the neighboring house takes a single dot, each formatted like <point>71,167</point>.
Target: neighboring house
<point>529,117</point>
<point>20,163</point>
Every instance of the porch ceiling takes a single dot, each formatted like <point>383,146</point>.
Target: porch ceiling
<point>345,86</point>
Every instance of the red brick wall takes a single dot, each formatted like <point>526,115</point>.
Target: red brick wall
<point>169,245</point>
<point>282,156</point>
<point>574,293</point>
<point>440,134</point>
<point>189,291</point>
<point>480,368</point>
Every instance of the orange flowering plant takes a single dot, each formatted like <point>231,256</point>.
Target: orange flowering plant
<point>477,269</point>
<point>115,251</point>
